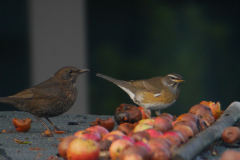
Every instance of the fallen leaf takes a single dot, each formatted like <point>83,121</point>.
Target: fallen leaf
<point>39,154</point>
<point>60,139</point>
<point>53,158</point>
<point>21,142</point>
<point>35,149</point>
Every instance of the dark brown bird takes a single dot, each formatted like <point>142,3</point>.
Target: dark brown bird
<point>50,98</point>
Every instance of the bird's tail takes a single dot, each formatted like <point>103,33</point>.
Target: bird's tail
<point>6,100</point>
<point>120,83</point>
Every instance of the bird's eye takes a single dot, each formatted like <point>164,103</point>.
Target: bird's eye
<point>70,71</point>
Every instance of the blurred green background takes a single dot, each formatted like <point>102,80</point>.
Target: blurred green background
<point>132,40</point>
<point>142,39</point>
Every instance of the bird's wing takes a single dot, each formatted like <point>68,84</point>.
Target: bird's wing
<point>153,85</point>
<point>46,91</point>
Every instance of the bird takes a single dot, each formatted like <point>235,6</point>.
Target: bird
<point>50,98</point>
<point>156,93</point>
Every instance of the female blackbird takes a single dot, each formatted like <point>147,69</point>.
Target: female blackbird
<point>50,98</point>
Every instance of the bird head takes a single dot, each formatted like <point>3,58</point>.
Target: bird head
<point>69,73</point>
<point>173,80</point>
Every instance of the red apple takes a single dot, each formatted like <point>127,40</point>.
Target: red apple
<point>63,146</point>
<point>154,133</point>
<point>139,136</point>
<point>117,146</point>
<point>160,154</point>
<point>83,149</point>
<point>88,135</point>
<point>144,114</point>
<point>176,138</point>
<point>162,124</point>
<point>133,156</point>
<point>159,143</point>
<point>167,115</point>
<point>100,129</point>
<point>140,143</point>
<point>137,149</point>
<point>128,138</point>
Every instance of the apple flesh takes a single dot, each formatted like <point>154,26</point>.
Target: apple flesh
<point>141,127</point>
<point>144,114</point>
<point>82,149</point>
<point>22,125</point>
<point>147,121</point>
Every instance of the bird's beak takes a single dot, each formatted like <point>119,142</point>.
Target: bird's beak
<point>83,70</point>
<point>179,80</point>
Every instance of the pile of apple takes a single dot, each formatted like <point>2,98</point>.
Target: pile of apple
<point>147,139</point>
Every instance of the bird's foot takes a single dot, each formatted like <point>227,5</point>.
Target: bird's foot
<point>58,131</point>
<point>47,133</point>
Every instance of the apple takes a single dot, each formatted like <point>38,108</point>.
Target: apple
<point>133,156</point>
<point>117,146</point>
<point>104,145</point>
<point>141,127</point>
<point>126,128</point>
<point>139,136</point>
<point>129,139</point>
<point>162,124</point>
<point>147,121</point>
<point>176,138</point>
<point>209,119</point>
<point>144,114</point>
<point>194,126</point>
<point>100,129</point>
<point>153,132</point>
<point>185,130</point>
<point>63,146</point>
<point>167,115</point>
<point>215,108</point>
<point>160,153</point>
<point>117,132</point>
<point>140,143</point>
<point>83,149</point>
<point>230,155</point>
<point>159,143</point>
<point>88,135</point>
<point>188,117</point>
<point>231,134</point>
<point>111,137</point>
<point>22,125</point>
<point>199,109</point>
<point>135,149</point>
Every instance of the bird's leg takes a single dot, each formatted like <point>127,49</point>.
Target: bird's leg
<point>47,133</point>
<point>145,110</point>
<point>56,130</point>
<point>158,112</point>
